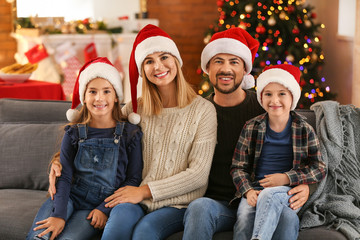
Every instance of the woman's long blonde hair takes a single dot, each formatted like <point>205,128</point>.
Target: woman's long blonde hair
<point>151,102</point>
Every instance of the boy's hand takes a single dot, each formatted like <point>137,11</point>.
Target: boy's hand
<point>52,224</point>
<point>98,219</point>
<point>275,180</point>
<point>252,196</point>
<point>55,171</point>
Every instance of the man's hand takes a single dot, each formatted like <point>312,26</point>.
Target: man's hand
<point>98,219</point>
<point>128,194</point>
<point>252,196</point>
<point>55,171</point>
<point>275,180</point>
<point>52,224</point>
<point>301,195</point>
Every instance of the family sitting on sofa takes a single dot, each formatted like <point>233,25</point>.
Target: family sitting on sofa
<point>177,171</point>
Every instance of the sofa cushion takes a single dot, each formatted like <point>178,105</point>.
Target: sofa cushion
<point>33,111</point>
<point>25,153</point>
<point>17,210</point>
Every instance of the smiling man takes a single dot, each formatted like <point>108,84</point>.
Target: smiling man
<point>228,60</point>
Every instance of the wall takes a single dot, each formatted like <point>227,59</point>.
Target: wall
<point>356,60</point>
<point>186,22</point>
<point>7,43</point>
<point>338,67</point>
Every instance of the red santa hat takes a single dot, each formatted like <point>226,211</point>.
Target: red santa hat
<point>285,74</point>
<point>235,41</point>
<point>149,40</point>
<point>99,67</point>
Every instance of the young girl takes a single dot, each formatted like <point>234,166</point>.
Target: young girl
<point>276,151</point>
<point>178,143</point>
<point>100,152</point>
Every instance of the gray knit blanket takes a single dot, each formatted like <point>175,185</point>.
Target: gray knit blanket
<point>336,202</point>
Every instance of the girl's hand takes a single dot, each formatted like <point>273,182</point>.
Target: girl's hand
<point>55,171</point>
<point>274,180</point>
<point>52,224</point>
<point>252,196</point>
<point>98,219</point>
<point>128,194</point>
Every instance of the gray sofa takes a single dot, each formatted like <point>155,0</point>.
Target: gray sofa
<point>30,132</point>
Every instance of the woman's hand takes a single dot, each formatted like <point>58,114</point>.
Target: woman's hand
<point>52,224</point>
<point>301,195</point>
<point>98,219</point>
<point>252,196</point>
<point>274,180</point>
<point>128,194</point>
<point>55,171</point>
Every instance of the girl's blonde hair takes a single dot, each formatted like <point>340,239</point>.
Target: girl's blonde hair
<point>151,102</point>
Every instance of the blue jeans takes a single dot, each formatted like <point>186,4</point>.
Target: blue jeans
<point>159,224</point>
<point>205,216</point>
<point>272,218</point>
<point>76,227</point>
<point>122,220</point>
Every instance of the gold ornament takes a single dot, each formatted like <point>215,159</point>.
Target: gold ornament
<point>282,15</point>
<point>307,23</point>
<point>205,87</point>
<point>207,39</point>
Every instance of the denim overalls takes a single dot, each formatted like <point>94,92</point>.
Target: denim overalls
<point>96,165</point>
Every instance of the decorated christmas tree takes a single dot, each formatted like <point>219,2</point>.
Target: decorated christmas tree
<point>287,33</point>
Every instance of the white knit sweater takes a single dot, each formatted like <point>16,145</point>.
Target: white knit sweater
<point>178,147</point>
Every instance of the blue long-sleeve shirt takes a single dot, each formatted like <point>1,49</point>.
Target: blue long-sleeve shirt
<point>129,170</point>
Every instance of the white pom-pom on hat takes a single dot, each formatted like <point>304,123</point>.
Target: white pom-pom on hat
<point>248,82</point>
<point>134,118</point>
<point>72,115</point>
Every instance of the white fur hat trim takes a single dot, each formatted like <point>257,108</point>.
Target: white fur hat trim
<point>277,75</point>
<point>229,46</point>
<point>155,44</point>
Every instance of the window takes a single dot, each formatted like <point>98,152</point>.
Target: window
<point>346,21</point>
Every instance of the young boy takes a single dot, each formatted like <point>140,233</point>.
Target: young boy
<point>275,152</point>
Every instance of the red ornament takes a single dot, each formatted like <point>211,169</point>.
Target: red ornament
<point>313,15</point>
<point>198,71</point>
<point>260,29</point>
<point>262,64</point>
<point>220,3</point>
<point>86,21</point>
<point>296,31</point>
<point>291,9</point>
<point>302,82</point>
<point>269,40</point>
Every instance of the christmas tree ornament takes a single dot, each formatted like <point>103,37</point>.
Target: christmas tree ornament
<point>307,23</point>
<point>260,29</point>
<point>220,3</point>
<point>290,58</point>
<point>296,30</point>
<point>291,9</point>
<point>271,21</point>
<point>282,15</point>
<point>249,8</point>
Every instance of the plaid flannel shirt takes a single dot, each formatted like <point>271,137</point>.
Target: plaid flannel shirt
<point>308,166</point>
